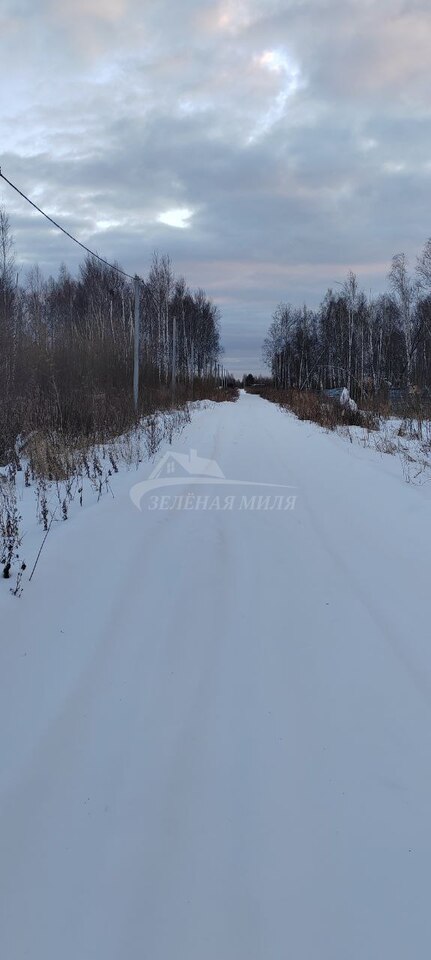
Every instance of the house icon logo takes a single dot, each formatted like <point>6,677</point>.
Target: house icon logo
<point>186,465</point>
<point>181,478</point>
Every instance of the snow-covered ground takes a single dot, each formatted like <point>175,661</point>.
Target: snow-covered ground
<point>215,731</point>
<point>409,441</point>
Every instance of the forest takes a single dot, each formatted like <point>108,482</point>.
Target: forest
<point>368,344</point>
<point>66,347</point>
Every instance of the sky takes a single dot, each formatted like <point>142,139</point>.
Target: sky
<point>267,146</point>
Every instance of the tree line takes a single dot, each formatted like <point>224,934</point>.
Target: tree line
<point>66,345</point>
<point>368,344</point>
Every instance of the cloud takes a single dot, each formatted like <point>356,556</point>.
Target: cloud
<point>178,217</point>
<point>267,145</point>
<point>106,10</point>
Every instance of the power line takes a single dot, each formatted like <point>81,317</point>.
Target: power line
<point>66,232</point>
<point>137,280</point>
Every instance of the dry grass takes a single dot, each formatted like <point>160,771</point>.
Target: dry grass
<point>51,455</point>
<point>55,451</point>
<point>313,406</point>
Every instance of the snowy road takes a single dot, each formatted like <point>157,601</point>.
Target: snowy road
<point>215,726</point>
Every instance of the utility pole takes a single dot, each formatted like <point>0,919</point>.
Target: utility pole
<point>136,343</point>
<point>174,354</point>
<point>192,366</point>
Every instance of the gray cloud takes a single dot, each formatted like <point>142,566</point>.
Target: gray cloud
<point>297,135</point>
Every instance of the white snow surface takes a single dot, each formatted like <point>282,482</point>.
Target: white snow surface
<point>215,726</point>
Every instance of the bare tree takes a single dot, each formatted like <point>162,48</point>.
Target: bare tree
<point>423,267</point>
<point>404,290</point>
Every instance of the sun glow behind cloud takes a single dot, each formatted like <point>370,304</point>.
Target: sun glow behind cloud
<point>177,217</point>
<point>277,61</point>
